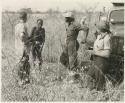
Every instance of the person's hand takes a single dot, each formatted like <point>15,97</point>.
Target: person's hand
<point>83,42</point>
<point>41,46</point>
<point>37,42</point>
<point>92,52</point>
<point>82,22</point>
<point>23,37</point>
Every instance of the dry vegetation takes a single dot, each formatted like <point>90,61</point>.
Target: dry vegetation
<point>44,85</point>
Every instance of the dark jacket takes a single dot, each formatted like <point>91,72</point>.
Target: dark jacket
<point>38,34</point>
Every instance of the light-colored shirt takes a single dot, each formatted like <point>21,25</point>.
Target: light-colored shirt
<point>20,29</point>
<point>103,42</point>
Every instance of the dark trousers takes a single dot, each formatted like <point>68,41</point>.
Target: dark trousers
<point>98,71</point>
<point>69,56</point>
<point>36,52</point>
<point>24,65</point>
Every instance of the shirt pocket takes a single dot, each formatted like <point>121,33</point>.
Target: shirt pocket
<point>100,44</point>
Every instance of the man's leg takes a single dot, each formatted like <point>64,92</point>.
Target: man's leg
<point>73,62</point>
<point>22,67</point>
<point>33,55</point>
<point>64,58</point>
<point>72,53</point>
<point>39,57</point>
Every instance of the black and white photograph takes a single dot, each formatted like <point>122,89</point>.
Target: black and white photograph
<point>62,51</point>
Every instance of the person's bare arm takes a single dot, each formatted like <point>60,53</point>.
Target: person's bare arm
<point>103,53</point>
<point>85,29</point>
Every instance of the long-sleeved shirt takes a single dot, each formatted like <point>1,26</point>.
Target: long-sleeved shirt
<point>38,34</point>
<point>73,29</point>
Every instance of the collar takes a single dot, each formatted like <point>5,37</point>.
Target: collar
<point>21,21</point>
<point>68,24</point>
<point>102,35</point>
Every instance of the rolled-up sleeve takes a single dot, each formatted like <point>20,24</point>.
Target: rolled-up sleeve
<point>107,42</point>
<point>82,27</point>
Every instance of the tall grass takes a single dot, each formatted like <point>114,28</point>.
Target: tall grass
<point>44,86</point>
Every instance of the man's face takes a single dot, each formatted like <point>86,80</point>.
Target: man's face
<point>39,23</point>
<point>67,19</point>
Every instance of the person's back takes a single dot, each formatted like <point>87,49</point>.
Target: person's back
<point>22,49</point>
<point>21,35</point>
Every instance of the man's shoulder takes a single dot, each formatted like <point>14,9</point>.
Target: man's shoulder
<point>80,26</point>
<point>76,24</point>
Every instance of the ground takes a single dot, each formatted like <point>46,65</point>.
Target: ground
<point>45,86</point>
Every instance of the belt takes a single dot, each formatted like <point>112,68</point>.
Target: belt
<point>96,56</point>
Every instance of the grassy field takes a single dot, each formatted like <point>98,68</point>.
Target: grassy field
<point>44,85</point>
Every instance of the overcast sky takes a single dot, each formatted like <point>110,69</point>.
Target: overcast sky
<point>44,5</point>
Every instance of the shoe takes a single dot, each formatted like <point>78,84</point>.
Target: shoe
<point>76,76</point>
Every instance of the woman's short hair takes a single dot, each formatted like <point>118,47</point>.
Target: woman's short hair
<point>103,26</point>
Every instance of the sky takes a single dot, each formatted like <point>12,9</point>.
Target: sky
<point>62,5</point>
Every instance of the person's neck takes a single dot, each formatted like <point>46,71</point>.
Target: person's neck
<point>38,28</point>
<point>69,23</point>
<point>22,21</point>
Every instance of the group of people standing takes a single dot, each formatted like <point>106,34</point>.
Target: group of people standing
<point>32,44</point>
<point>28,47</point>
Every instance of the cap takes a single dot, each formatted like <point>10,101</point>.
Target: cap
<point>69,14</point>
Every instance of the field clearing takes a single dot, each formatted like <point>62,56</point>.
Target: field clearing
<point>44,85</point>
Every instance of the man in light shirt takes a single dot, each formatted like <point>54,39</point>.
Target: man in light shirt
<point>21,35</point>
<point>22,48</point>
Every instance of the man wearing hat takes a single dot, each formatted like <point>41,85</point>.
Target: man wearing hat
<point>72,45</point>
<point>21,34</point>
<point>101,53</point>
<point>21,46</point>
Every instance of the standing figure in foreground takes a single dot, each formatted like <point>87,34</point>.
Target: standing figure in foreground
<point>38,37</point>
<point>22,48</point>
<point>72,45</point>
<point>101,53</point>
